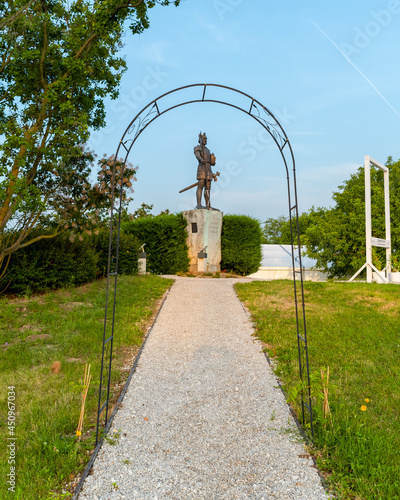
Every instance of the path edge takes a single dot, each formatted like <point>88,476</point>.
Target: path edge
<point>118,404</point>
<point>303,433</point>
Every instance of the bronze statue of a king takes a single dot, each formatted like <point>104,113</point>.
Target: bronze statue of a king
<point>204,172</point>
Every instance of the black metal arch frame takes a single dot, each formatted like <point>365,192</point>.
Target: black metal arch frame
<point>156,108</point>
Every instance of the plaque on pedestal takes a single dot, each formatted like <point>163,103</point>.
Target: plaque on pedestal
<point>204,239</point>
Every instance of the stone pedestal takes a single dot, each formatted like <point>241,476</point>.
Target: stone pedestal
<point>204,239</point>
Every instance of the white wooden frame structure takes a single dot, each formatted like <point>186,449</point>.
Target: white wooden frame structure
<point>370,240</point>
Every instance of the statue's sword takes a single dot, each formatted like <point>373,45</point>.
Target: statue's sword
<point>189,187</point>
<point>215,176</point>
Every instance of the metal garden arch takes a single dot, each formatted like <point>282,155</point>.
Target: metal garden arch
<point>196,93</point>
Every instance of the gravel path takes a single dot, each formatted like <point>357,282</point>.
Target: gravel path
<point>202,418</point>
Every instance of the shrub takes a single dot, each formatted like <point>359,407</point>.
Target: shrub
<point>128,250</point>
<point>165,240</point>
<point>241,244</point>
<point>51,263</point>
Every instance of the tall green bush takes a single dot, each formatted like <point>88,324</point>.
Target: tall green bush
<point>50,264</point>
<point>165,242</point>
<point>241,244</point>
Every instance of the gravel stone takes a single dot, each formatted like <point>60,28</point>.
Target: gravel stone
<point>203,418</point>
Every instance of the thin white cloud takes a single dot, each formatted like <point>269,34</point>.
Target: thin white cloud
<point>226,37</point>
<point>154,53</point>
<point>328,173</point>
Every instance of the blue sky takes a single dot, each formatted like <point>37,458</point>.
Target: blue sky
<point>329,70</point>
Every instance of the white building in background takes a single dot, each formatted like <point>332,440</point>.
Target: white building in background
<point>276,264</point>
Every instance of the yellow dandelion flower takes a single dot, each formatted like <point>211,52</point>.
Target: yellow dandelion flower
<point>78,433</point>
<point>363,408</point>
<point>367,400</point>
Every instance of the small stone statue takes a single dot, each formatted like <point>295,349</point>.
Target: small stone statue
<point>204,172</point>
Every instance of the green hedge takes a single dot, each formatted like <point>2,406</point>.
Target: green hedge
<point>128,250</point>
<point>50,263</point>
<point>57,262</point>
<point>241,244</point>
<point>165,240</point>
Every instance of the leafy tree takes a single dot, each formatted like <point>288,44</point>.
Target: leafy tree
<point>274,229</point>
<point>142,212</point>
<point>71,202</point>
<point>336,236</point>
<point>58,60</point>
<point>277,231</point>
<point>90,209</point>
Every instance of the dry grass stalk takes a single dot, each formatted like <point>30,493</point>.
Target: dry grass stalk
<point>325,389</point>
<point>85,384</point>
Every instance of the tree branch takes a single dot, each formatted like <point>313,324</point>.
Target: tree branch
<point>89,41</point>
<point>125,6</point>
<point>86,45</point>
<point>33,171</point>
<point>16,246</point>
<point>5,212</point>
<point>5,267</point>
<point>5,62</point>
<point>43,55</point>
<point>29,225</point>
<point>16,15</point>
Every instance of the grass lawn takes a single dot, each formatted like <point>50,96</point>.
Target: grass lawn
<point>355,330</point>
<point>45,341</point>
